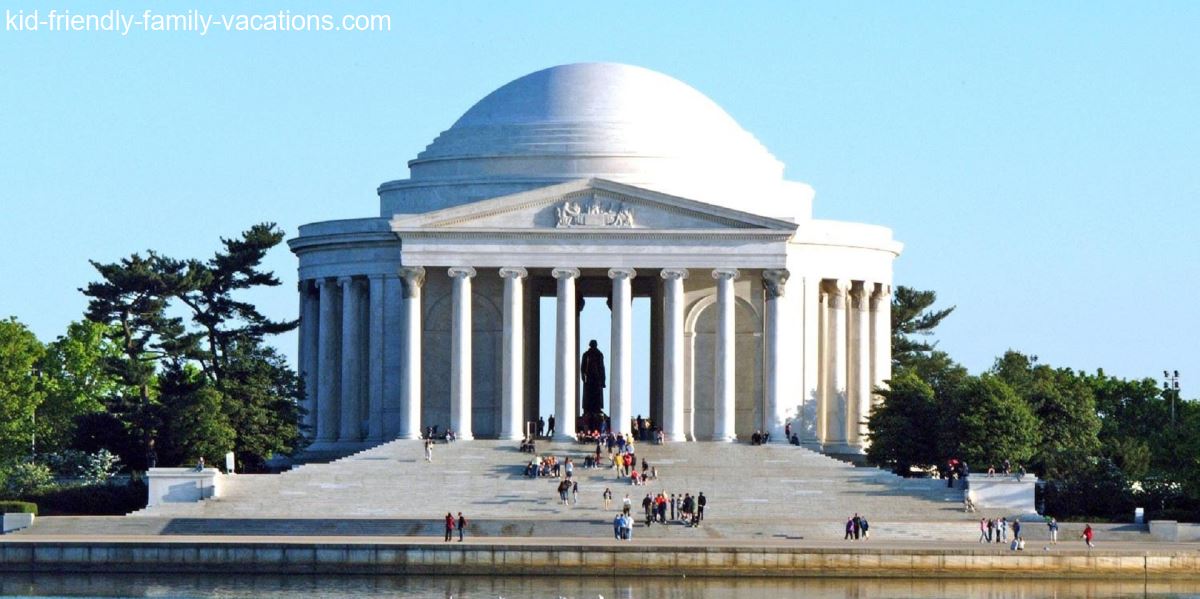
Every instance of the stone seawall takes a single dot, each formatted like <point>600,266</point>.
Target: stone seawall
<point>523,560</point>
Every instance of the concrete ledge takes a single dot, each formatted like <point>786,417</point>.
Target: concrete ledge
<point>17,521</point>
<point>603,560</point>
<point>182,485</point>
<point>1003,492</point>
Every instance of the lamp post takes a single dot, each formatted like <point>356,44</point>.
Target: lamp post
<point>37,376</point>
<point>1171,388</point>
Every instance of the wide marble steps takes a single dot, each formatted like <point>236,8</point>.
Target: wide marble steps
<point>776,491</point>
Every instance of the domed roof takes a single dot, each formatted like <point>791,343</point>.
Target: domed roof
<point>603,120</point>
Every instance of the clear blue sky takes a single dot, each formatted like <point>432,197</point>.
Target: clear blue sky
<point>1039,160</point>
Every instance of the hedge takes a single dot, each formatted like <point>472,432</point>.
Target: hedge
<point>18,507</point>
<point>91,500</point>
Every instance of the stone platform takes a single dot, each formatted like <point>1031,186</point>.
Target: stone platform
<point>769,492</point>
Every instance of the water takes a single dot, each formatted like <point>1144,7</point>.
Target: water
<point>633,587</point>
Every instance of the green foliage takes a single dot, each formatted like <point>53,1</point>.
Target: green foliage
<point>76,382</point>
<point>20,393</point>
<point>904,426</point>
<point>261,394</point>
<point>1094,488</point>
<point>1066,410</point>
<point>196,421</point>
<point>93,468</point>
<point>25,477</point>
<point>913,317</point>
<point>988,423</point>
<point>90,500</point>
<point>18,507</point>
<point>206,385</point>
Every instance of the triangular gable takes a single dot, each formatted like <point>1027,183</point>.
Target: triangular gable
<point>589,205</point>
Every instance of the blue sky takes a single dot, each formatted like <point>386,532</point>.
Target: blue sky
<point>1039,160</point>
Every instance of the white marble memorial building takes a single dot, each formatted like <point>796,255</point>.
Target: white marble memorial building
<point>593,182</point>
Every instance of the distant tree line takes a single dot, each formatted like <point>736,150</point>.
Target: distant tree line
<point>169,364</point>
<point>1103,445</point>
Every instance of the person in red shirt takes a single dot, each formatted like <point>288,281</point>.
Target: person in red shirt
<point>1087,535</point>
<point>449,526</point>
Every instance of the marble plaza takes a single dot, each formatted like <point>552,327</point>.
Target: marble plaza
<point>593,182</point>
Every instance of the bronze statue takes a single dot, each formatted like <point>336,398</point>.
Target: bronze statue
<point>591,370</point>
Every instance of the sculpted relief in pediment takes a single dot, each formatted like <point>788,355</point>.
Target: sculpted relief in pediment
<point>593,212</point>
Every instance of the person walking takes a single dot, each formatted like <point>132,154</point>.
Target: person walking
<point>429,450</point>
<point>1053,526</point>
<point>575,492</point>
<point>449,526</point>
<point>462,526</point>
<point>607,498</point>
<point>849,529</point>
<point>1087,535</point>
<point>701,501</point>
<point>866,528</point>
<point>626,505</point>
<point>983,535</point>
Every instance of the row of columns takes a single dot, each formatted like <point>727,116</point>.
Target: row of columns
<point>857,338</point>
<point>343,333</point>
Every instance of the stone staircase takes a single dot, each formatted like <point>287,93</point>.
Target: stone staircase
<point>777,491</point>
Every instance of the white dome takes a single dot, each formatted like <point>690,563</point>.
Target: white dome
<point>605,120</point>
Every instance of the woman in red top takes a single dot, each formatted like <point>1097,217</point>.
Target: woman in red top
<point>1087,535</point>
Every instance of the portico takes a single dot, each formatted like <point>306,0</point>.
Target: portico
<point>428,314</point>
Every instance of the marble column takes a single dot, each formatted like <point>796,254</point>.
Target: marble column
<point>838,415</point>
<point>775,410</point>
<point>724,389</point>
<point>353,362</point>
<point>881,336</point>
<point>329,387</point>
<point>620,387</point>
<point>512,401</point>
<point>565,362</point>
<point>375,361</point>
<point>860,362</point>
<point>674,428</point>
<point>460,352</point>
<point>410,382</point>
<point>824,397</point>
<point>309,358</point>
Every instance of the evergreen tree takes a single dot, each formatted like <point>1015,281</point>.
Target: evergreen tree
<point>988,423</point>
<point>904,426</point>
<point>913,318</point>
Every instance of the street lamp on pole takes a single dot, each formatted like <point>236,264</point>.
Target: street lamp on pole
<point>1171,388</point>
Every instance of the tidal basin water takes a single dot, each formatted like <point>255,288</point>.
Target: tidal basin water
<point>653,587</point>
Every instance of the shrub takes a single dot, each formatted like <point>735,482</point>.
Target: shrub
<point>18,507</point>
<point>26,477</point>
<point>91,500</point>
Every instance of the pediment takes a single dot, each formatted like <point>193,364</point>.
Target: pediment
<point>589,205</point>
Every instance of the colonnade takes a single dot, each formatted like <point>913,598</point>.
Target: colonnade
<point>855,358</point>
<point>361,342</point>
<point>343,335</point>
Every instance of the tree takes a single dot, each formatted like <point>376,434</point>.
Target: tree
<point>253,388</point>
<point>76,381</point>
<point>904,426</point>
<point>913,317</point>
<point>988,423</point>
<point>1064,405</point>
<point>20,393</point>
<point>195,418</point>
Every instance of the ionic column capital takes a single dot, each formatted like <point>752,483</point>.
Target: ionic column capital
<point>672,274</point>
<point>881,295</point>
<point>730,274</point>
<point>343,281</point>
<point>513,272</point>
<point>458,272</point>
<point>622,273</point>
<point>859,293</point>
<point>774,281</point>
<point>565,273</point>
<point>414,278</point>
